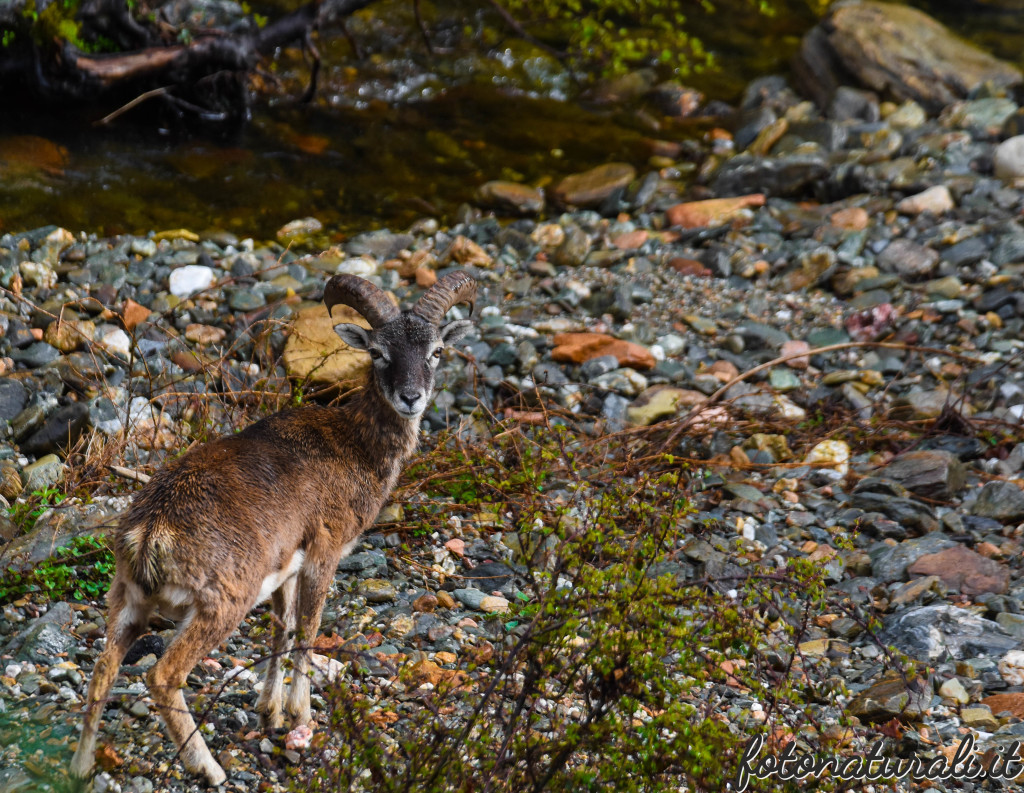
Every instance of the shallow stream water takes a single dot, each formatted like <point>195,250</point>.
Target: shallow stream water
<point>392,137</point>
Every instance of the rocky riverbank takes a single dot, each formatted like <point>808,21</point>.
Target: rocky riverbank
<point>896,223</point>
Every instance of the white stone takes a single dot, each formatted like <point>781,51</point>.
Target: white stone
<point>1011,667</point>
<point>1008,159</point>
<point>832,452</point>
<point>115,340</point>
<point>357,265</point>
<point>191,278</point>
<point>935,200</point>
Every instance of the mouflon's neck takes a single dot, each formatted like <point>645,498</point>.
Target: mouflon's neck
<point>377,425</point>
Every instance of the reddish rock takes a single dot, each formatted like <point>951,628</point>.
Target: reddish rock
<point>724,371</point>
<point>581,347</point>
<point>964,570</point>
<point>133,314</point>
<point>850,219</point>
<point>713,212</point>
<point>795,347</point>
<point>685,266</point>
<point>630,240</point>
<point>1013,702</point>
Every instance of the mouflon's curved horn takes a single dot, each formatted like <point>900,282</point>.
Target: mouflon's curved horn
<point>361,295</point>
<point>454,288</point>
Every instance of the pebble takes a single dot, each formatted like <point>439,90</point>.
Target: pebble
<point>186,281</point>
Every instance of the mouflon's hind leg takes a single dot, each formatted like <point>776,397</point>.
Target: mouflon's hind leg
<point>269,705</point>
<point>314,583</point>
<point>205,631</point>
<point>127,618</point>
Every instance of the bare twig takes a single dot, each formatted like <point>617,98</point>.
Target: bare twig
<point>128,473</point>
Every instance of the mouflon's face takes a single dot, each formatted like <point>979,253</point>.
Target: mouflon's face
<point>405,352</point>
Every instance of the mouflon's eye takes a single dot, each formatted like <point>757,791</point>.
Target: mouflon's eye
<point>437,353</point>
<point>376,355</point>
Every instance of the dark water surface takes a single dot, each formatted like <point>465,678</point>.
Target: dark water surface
<point>386,150</point>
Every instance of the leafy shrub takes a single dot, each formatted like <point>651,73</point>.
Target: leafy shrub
<point>615,668</point>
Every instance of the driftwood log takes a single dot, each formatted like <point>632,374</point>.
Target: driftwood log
<point>202,79</point>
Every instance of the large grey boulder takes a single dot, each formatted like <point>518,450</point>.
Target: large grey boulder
<point>896,50</point>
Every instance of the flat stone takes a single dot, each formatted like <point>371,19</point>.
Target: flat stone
<point>963,570</point>
<point>979,717</point>
<point>712,212</point>
<point>1012,702</point>
<point>932,474</point>
<point>592,187</point>
<point>659,403</point>
<point>928,633</point>
<point>315,352</point>
<point>891,698</point>
<point>580,347</point>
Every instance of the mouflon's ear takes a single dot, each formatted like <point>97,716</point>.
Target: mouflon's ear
<point>454,331</point>
<point>354,336</point>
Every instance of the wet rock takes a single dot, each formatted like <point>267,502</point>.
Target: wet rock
<point>512,196</point>
<point>60,431</point>
<point>932,474</point>
<point>930,632</point>
<point>964,570</point>
<point>592,187</point>
<point>713,212</point>
<point>315,351</point>
<point>1000,500</point>
<point>891,698</point>
<point>897,51</point>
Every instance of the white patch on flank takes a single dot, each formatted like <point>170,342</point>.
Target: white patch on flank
<point>274,580</point>
<point>346,549</point>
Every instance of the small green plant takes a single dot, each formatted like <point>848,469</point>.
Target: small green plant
<point>25,513</point>
<point>81,570</point>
